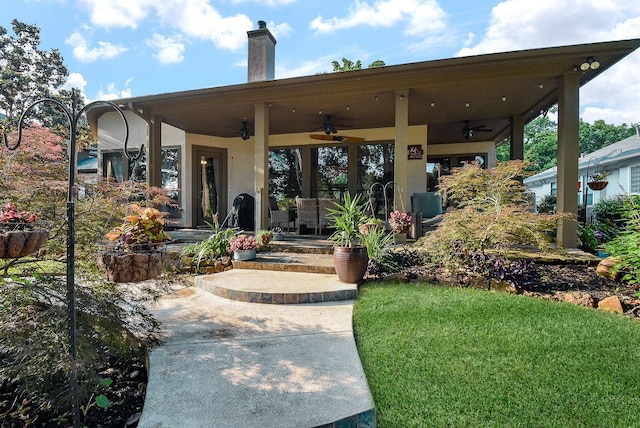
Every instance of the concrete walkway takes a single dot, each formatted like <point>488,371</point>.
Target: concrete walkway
<point>229,363</point>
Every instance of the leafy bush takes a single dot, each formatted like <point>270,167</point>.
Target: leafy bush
<point>547,204</point>
<point>626,246</point>
<point>493,212</point>
<point>214,247</point>
<point>112,324</point>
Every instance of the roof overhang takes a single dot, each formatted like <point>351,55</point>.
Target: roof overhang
<point>485,90</point>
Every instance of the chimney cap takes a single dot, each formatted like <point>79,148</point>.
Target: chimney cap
<point>262,24</point>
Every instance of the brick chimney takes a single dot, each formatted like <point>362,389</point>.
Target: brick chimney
<point>262,53</point>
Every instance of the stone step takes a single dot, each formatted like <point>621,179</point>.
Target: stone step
<point>289,262</point>
<point>270,287</point>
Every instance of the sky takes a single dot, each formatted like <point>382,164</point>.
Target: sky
<point>128,48</point>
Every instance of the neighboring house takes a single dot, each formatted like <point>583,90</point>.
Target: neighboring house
<point>620,160</point>
<point>336,132</point>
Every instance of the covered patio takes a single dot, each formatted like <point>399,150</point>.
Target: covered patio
<point>424,110</point>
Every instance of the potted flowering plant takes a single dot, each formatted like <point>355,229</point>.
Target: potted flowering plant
<point>19,232</point>
<point>598,180</point>
<point>243,247</point>
<point>399,221</point>
<point>136,250</point>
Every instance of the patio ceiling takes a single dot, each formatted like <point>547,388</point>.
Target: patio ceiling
<point>441,93</point>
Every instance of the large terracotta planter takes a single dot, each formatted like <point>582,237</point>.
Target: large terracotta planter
<point>19,242</point>
<point>131,266</point>
<point>350,263</point>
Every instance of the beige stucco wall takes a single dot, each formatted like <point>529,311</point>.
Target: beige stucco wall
<point>240,153</point>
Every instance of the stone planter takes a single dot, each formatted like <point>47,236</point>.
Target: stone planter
<point>244,255</point>
<point>131,266</point>
<point>17,240</point>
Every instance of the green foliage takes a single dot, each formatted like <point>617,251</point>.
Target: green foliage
<point>214,247</point>
<point>346,218</point>
<point>547,204</point>
<point>112,323</point>
<point>541,140</point>
<point>492,211</point>
<point>625,247</point>
<point>377,241</point>
<point>348,65</point>
<point>28,73</point>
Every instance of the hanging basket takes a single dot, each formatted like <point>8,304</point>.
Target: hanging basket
<point>131,264</point>
<point>597,185</point>
<point>21,239</point>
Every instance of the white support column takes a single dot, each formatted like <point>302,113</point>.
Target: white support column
<point>400,175</point>
<point>261,166</point>
<point>568,152</point>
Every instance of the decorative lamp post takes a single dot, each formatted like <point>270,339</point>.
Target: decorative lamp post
<point>73,118</point>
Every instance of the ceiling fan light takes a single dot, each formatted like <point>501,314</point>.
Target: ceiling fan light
<point>244,131</point>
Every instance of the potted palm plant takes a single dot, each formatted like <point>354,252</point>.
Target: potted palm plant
<point>350,257</point>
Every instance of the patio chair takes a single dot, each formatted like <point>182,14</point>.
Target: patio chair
<point>308,213</point>
<point>323,205</point>
<point>277,217</point>
<point>428,209</point>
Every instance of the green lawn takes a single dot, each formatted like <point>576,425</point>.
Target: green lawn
<point>445,356</point>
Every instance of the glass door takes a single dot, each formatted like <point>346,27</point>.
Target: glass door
<point>211,188</point>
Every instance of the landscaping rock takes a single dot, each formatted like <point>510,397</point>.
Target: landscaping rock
<point>611,304</point>
<point>577,298</point>
<point>606,269</point>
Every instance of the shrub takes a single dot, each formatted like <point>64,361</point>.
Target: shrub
<point>626,246</point>
<point>112,324</point>
<point>214,247</point>
<point>493,212</point>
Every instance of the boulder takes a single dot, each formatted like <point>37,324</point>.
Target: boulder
<point>611,304</point>
<point>606,268</point>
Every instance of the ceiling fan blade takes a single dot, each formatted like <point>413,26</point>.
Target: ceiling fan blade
<point>338,138</point>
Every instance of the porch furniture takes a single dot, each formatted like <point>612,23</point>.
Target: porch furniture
<point>308,213</point>
<point>323,211</point>
<point>278,217</point>
<point>427,207</point>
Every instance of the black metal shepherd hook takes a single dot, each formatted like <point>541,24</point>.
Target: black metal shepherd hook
<point>73,118</point>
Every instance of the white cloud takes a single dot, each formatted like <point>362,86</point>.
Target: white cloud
<point>198,19</point>
<point>279,30</point>
<point>193,18</point>
<point>612,96</point>
<point>272,3</point>
<point>170,50</point>
<point>75,81</point>
<point>112,93</point>
<point>305,68</point>
<point>83,52</point>
<point>118,13</point>
<point>522,24</point>
<point>422,16</point>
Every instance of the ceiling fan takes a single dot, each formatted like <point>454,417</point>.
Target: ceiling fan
<point>329,129</point>
<point>468,131</point>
